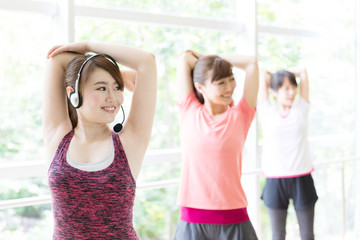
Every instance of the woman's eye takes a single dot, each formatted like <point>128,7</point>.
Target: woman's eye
<point>117,88</point>
<point>101,89</point>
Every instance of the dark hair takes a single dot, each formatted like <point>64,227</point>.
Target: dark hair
<point>210,66</point>
<point>277,79</point>
<point>72,72</point>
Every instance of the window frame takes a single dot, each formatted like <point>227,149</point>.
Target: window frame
<point>64,12</point>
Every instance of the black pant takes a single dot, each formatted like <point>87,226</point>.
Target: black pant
<point>305,219</point>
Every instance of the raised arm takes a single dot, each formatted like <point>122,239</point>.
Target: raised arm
<point>304,84</point>
<point>185,66</point>
<point>264,86</point>
<point>56,121</point>
<point>250,66</point>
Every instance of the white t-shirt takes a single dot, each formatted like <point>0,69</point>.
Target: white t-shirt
<point>286,151</point>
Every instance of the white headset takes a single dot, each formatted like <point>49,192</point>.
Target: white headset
<point>75,96</point>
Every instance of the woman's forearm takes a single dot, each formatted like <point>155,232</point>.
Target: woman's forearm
<point>240,61</point>
<point>133,58</point>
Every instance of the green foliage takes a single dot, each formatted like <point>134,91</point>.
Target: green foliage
<point>24,188</point>
<point>31,211</point>
<point>320,15</point>
<point>279,52</point>
<point>21,78</point>
<point>155,213</point>
<point>264,13</point>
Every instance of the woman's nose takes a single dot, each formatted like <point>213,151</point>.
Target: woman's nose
<point>110,96</point>
<point>230,86</point>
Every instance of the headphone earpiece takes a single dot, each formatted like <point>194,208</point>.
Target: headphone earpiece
<point>75,99</point>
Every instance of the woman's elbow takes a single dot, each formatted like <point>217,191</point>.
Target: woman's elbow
<point>254,60</point>
<point>151,59</point>
<point>148,63</point>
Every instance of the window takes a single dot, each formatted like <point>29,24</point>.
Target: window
<point>23,37</point>
<point>319,35</point>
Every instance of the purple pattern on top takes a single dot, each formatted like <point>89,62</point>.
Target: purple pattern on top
<point>92,205</point>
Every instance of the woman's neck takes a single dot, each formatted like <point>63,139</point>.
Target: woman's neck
<point>215,110</point>
<point>284,109</point>
<point>91,132</point>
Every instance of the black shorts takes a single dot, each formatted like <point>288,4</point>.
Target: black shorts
<point>278,191</point>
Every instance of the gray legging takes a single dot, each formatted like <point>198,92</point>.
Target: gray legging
<point>305,219</point>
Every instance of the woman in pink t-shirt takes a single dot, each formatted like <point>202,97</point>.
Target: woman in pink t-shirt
<point>213,130</point>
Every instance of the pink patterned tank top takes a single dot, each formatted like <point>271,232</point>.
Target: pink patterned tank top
<point>92,204</point>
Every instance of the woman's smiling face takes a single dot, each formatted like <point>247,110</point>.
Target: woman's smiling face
<point>102,98</point>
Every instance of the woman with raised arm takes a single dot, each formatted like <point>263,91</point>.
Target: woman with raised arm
<point>92,169</point>
<point>213,130</point>
<point>286,158</point>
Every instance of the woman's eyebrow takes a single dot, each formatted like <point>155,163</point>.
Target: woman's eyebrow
<point>100,83</point>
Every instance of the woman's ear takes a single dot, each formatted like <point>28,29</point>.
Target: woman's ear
<point>198,87</point>
<point>273,92</point>
<point>69,90</point>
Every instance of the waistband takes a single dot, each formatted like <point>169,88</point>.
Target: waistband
<point>206,216</point>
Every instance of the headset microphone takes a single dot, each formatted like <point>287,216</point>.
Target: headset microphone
<point>118,127</point>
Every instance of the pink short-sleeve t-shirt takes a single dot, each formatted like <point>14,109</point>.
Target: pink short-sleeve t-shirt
<point>212,155</point>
